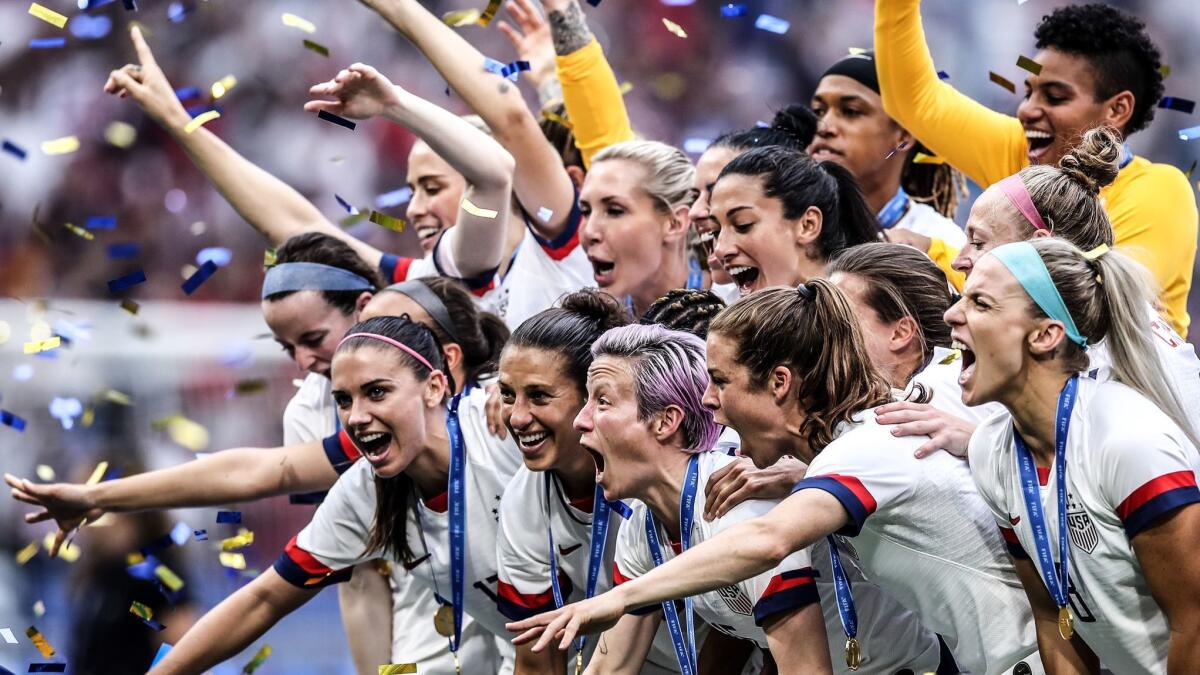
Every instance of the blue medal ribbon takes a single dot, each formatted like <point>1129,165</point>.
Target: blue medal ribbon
<point>843,591</point>
<point>600,511</point>
<point>1057,581</point>
<point>1126,156</point>
<point>894,210</point>
<point>458,520</point>
<point>695,275</point>
<point>685,652</point>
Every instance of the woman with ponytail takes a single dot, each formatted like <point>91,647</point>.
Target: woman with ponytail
<point>1093,483</point>
<point>789,371</point>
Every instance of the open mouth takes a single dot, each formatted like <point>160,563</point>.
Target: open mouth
<point>531,442</point>
<point>373,445</point>
<point>1039,143</point>
<point>968,362</point>
<point>427,233</point>
<point>821,153</point>
<point>602,271</point>
<point>745,276</point>
<point>597,458</point>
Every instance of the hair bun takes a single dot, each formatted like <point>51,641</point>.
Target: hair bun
<point>597,305</point>
<point>799,121</point>
<point>1094,162</point>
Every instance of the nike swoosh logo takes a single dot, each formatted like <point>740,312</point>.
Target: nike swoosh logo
<point>1015,520</point>
<point>568,550</point>
<point>410,566</point>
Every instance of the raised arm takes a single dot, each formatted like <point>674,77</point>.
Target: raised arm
<point>237,475</point>
<point>233,625</point>
<point>478,245</point>
<point>738,553</point>
<point>541,183</point>
<point>982,143</point>
<point>271,206</point>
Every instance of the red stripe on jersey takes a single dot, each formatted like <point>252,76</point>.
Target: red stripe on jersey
<point>483,290</point>
<point>305,560</point>
<point>348,446</point>
<point>859,490</point>
<point>1153,488</point>
<point>1010,536</point>
<point>788,580</point>
<point>619,578</point>
<point>439,503</point>
<point>532,601</point>
<point>1043,475</point>
<point>560,252</point>
<point>402,267</point>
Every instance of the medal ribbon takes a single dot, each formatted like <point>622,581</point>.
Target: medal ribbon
<point>1056,584</point>
<point>1126,156</point>
<point>843,592</point>
<point>458,521</point>
<point>894,210</point>
<point>685,652</point>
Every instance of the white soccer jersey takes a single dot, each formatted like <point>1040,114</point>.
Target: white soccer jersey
<point>925,220</point>
<point>922,533</point>
<point>310,414</point>
<point>892,638</point>
<point>336,538</point>
<point>523,551</point>
<point>1127,464</point>
<point>940,378</point>
<point>540,273</point>
<point>1178,358</point>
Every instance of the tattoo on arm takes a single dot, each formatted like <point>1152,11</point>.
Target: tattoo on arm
<point>569,30</point>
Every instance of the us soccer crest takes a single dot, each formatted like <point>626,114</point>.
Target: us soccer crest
<point>735,600</point>
<point>1080,527</point>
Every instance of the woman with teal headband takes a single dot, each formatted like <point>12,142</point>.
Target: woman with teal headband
<point>1092,483</point>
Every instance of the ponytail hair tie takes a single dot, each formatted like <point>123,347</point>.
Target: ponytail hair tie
<point>1095,253</point>
<point>806,292</point>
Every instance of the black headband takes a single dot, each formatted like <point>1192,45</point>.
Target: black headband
<point>421,294</point>
<point>859,67</point>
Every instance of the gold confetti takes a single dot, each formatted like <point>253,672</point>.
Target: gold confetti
<point>398,669</point>
<point>130,306</point>
<point>1002,81</point>
<point>223,85</point>
<point>68,551</point>
<point>45,472</point>
<point>293,21</point>
<point>199,120</point>
<point>394,224</point>
<point>1029,64</point>
<point>61,146</point>
<point>185,432</point>
<point>40,641</point>
<point>675,28</point>
<point>79,231</point>
<point>476,210</point>
<point>352,218</point>
<point>855,51</point>
<point>120,134</point>
<point>489,12</point>
<point>922,158</point>
<point>234,561</point>
<point>1164,70</point>
<point>26,554</point>
<point>141,611</point>
<point>38,346</point>
<point>269,258</point>
<point>118,397</point>
<point>317,47</point>
<point>258,660</point>
<point>249,387</point>
<point>625,88</point>
<point>39,609</point>
<point>48,15</point>
<point>169,578</point>
<point>461,17</point>
<point>555,117</point>
<point>89,416</point>
<point>134,558</point>
<point>98,473</point>
<point>243,538</point>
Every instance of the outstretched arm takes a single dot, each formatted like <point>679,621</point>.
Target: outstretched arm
<point>982,143</point>
<point>237,475</point>
<point>540,181</point>
<point>362,91</point>
<point>271,206</point>
<point>232,625</point>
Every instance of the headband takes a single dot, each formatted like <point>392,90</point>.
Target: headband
<point>306,276</point>
<point>859,67</point>
<point>1014,188</point>
<point>424,296</point>
<point>1026,264</point>
<point>395,343</point>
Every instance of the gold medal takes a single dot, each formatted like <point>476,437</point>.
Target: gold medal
<point>853,656</point>
<point>579,662</point>
<point>443,621</point>
<point>1066,625</point>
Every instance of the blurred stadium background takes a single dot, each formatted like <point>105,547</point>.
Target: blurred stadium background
<point>209,357</point>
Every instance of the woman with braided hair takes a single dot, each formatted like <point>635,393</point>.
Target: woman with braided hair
<point>685,309</point>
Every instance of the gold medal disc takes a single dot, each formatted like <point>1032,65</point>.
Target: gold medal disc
<point>1066,625</point>
<point>443,621</point>
<point>853,655</point>
<point>579,662</point>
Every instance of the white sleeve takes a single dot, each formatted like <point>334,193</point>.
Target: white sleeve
<point>300,423</point>
<point>522,556</point>
<point>785,588</point>
<point>632,559</point>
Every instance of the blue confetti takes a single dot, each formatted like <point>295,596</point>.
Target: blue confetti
<point>510,71</point>
<point>201,535</point>
<point>943,75</point>
<point>14,150</point>
<point>696,146</point>
<point>772,24</point>
<point>130,5</point>
<point>47,43</point>
<point>219,255</point>
<point>594,3</point>
<point>22,372</point>
<point>89,27</point>
<point>229,517</point>
<point>177,12</point>
<point>65,410</point>
<point>127,281</point>
<point>1189,134</point>
<point>122,250</point>
<point>181,533</point>
<point>94,4</point>
<point>1182,105</point>
<point>11,420</point>
<point>733,9</point>
<point>336,119</point>
<point>345,205</point>
<point>101,222</point>
<point>144,570</point>
<point>47,668</point>
<point>393,198</point>
<point>162,651</point>
<point>187,93</point>
<point>199,277</point>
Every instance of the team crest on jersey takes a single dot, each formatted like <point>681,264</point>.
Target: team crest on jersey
<point>1080,527</point>
<point>735,600</point>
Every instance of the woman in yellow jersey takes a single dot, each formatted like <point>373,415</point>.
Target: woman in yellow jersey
<point>1098,67</point>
